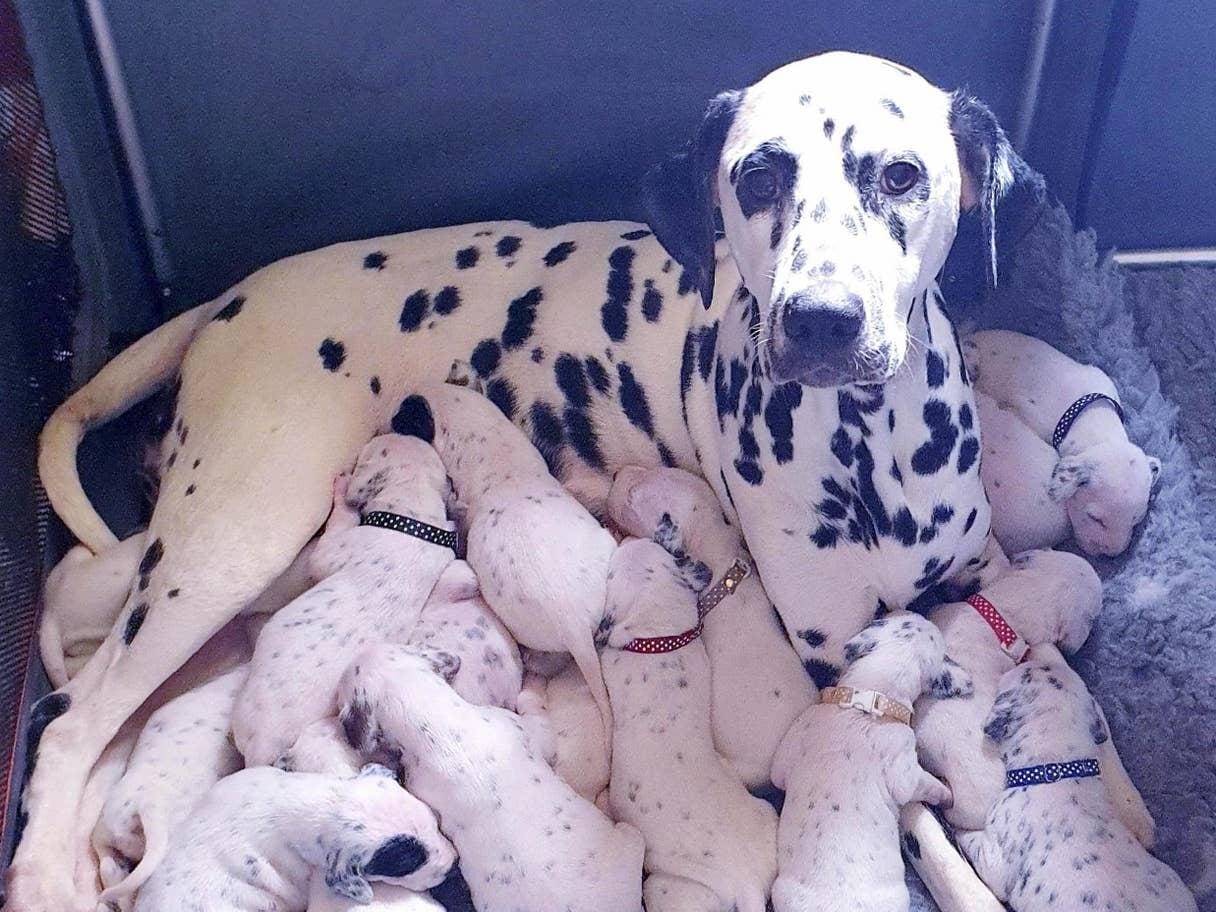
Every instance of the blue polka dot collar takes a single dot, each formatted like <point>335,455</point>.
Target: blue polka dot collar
<point>1051,772</point>
<point>407,525</point>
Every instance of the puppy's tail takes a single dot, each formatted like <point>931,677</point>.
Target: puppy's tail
<point>122,894</point>
<point>588,662</point>
<point>130,377</point>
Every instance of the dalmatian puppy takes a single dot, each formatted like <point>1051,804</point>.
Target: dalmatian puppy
<point>1103,479</point>
<point>526,839</point>
<point>709,844</point>
<point>776,363</point>
<point>385,898</point>
<point>183,750</point>
<point>457,620</point>
<point>321,748</point>
<point>847,772</point>
<point>375,582</point>
<point>255,840</point>
<point>541,558</point>
<point>1016,469</point>
<point>1053,840</point>
<point>758,685</point>
<point>581,747</point>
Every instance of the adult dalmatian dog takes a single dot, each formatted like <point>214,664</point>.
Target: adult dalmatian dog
<point>804,365</point>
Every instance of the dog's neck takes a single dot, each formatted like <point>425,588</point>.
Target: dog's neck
<point>893,678</point>
<point>416,501</point>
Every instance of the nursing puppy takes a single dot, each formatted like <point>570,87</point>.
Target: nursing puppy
<point>1103,479</point>
<point>581,747</point>
<point>526,840</point>
<point>258,836</point>
<point>1016,468</point>
<point>1060,844</point>
<point>846,774</point>
<point>183,750</point>
<point>710,846</point>
<point>457,620</point>
<point>758,685</point>
<point>541,558</point>
<point>375,582</point>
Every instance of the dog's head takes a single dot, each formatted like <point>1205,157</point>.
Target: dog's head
<point>652,588</point>
<point>839,179</point>
<point>904,655</point>
<point>1106,490</point>
<point>1044,712</point>
<point>397,473</point>
<point>1049,596</point>
<point>384,833</point>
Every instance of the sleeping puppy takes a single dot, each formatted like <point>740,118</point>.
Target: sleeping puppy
<point>847,771</point>
<point>375,582</point>
<point>758,685</point>
<point>1102,478</point>
<point>457,620</point>
<point>1053,840</point>
<point>182,751</point>
<point>710,846</point>
<point>526,840</point>
<point>580,746</point>
<point>258,836</point>
<point>385,898</point>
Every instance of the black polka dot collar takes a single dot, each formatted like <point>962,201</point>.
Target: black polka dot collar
<point>1047,773</point>
<point>1073,412</point>
<point>407,525</point>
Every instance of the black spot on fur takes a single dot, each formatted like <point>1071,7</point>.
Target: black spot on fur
<point>414,419</point>
<point>582,436</point>
<point>652,302</point>
<point>485,357</point>
<point>842,447</point>
<point>398,857</point>
<point>42,714</point>
<point>895,472</point>
<point>414,310</point>
<point>777,231</point>
<point>686,283</point>
<point>635,235</point>
<point>970,521</point>
<point>507,246</point>
<point>597,374</point>
<point>521,315</point>
<point>708,337</point>
<point>633,400</point>
<point>665,455</point>
<point>965,418</point>
<point>332,354</point>
<point>231,309</point>
<point>375,260</point>
<point>824,674</point>
<point>467,257</point>
<point>572,380</point>
<point>152,557</point>
<point>687,360</point>
<point>930,457</point>
<point>501,392</point>
<point>779,417</point>
<point>538,355</point>
<point>749,471</point>
<point>559,253</point>
<point>173,593</point>
<point>447,300</point>
<point>814,638</point>
<point>135,620</point>
<point>829,127</point>
<point>548,436</point>
<point>374,384</point>
<point>614,315</point>
<point>190,489</point>
<point>893,108</point>
<point>903,527</point>
<point>968,451</point>
<point>935,369</point>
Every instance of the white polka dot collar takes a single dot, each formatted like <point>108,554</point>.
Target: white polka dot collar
<point>1046,773</point>
<point>407,525</point>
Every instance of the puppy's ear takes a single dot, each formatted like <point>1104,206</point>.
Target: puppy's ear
<point>362,732</point>
<point>397,857</point>
<point>1069,474</point>
<point>1154,471</point>
<point>988,164</point>
<point>1007,715</point>
<point>951,680</point>
<point>343,875</point>
<point>863,643</point>
<point>696,575</point>
<point>444,664</point>
<point>667,535</point>
<point>679,195</point>
<point>1098,729</point>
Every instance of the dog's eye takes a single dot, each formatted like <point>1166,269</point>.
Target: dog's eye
<point>759,184</point>
<point>899,177</point>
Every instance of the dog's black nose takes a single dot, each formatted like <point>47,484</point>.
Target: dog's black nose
<point>826,322</point>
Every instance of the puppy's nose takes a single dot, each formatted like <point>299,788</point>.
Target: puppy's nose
<point>827,321</point>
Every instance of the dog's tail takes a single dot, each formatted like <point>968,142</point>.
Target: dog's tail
<point>121,894</point>
<point>588,662</point>
<point>128,378</point>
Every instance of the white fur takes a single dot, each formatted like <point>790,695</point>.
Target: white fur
<point>1103,478</point>
<point>581,748</point>
<point>385,898</point>
<point>374,585</point>
<point>704,833</point>
<point>758,685</point>
<point>526,840</point>
<point>846,776</point>
<point>541,558</point>
<point>258,836</point>
<point>1061,845</point>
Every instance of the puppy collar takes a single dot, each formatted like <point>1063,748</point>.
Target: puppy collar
<point>710,599</point>
<point>1073,412</point>
<point>1011,644</point>
<point>868,701</point>
<point>1051,772</point>
<point>381,519</point>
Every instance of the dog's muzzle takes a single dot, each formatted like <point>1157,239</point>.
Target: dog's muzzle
<point>820,339</point>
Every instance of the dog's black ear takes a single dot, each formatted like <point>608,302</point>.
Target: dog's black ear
<point>1098,728</point>
<point>1069,474</point>
<point>344,876</point>
<point>362,732</point>
<point>1006,716</point>
<point>397,857</point>
<point>445,664</point>
<point>988,163</point>
<point>679,195</point>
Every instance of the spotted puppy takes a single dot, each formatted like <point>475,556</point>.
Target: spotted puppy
<point>541,558</point>
<point>1102,477</point>
<point>581,746</point>
<point>258,836</point>
<point>758,686</point>
<point>709,844</point>
<point>1053,840</point>
<point>847,771</point>
<point>375,582</point>
<point>526,840</point>
<point>183,750</point>
<point>385,898</point>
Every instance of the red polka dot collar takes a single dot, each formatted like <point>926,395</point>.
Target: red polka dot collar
<point>1011,644</point>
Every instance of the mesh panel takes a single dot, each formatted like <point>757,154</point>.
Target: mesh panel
<point>38,301</point>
